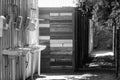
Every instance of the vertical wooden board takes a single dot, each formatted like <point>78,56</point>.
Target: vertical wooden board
<point>20,67</point>
<point>9,71</point>
<point>7,68</point>
<point>3,68</point>
<point>16,68</point>
<point>5,65</point>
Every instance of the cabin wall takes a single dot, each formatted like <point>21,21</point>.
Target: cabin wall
<point>56,30</point>
<point>11,37</point>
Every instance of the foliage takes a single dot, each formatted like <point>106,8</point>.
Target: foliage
<point>105,15</point>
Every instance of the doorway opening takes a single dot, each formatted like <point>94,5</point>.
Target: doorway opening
<point>94,46</point>
<point>101,46</point>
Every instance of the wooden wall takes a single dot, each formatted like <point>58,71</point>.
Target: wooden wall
<point>56,31</point>
<point>11,37</point>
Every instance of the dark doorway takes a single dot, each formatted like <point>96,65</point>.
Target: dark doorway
<point>81,38</point>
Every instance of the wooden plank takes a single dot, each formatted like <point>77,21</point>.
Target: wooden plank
<point>44,25</point>
<point>44,31</point>
<point>47,43</point>
<point>62,33</point>
<point>61,37</point>
<point>3,68</point>
<point>66,14</point>
<point>59,29</point>
<point>61,22</point>
<point>44,16</point>
<point>54,18</point>
<point>56,10</point>
<point>1,58</point>
<point>61,63</point>
<point>60,68</point>
<point>61,45</point>
<point>61,56</point>
<point>61,41</point>
<point>44,37</point>
<point>43,21</point>
<point>61,52</point>
<point>61,25</point>
<point>54,14</point>
<point>59,49</point>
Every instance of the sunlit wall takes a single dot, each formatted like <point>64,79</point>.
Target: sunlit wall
<point>57,3</point>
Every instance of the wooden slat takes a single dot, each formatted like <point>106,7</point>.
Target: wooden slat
<point>61,56</point>
<point>61,45</point>
<point>44,25</point>
<point>60,26</point>
<point>61,22</point>
<point>61,52</point>
<point>44,16</point>
<point>44,31</point>
<point>61,37</point>
<point>62,34</point>
<point>61,63</point>
<point>60,41</point>
<point>44,37</point>
<point>59,29</point>
<point>43,21</point>
<point>61,18</point>
<point>65,14</point>
<point>61,49</point>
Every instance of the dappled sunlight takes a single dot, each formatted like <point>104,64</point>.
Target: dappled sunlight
<point>104,54</point>
<point>67,77</point>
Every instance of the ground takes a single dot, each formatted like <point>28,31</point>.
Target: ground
<point>96,75</point>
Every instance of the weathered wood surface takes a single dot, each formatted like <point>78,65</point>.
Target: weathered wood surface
<point>56,31</point>
<point>11,37</point>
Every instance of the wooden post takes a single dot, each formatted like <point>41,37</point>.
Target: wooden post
<point>1,58</point>
<point>13,67</point>
<point>32,59</point>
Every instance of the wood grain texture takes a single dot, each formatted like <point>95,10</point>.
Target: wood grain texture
<point>44,31</point>
<point>44,25</point>
<point>61,45</point>
<point>44,16</point>
<point>61,22</point>
<point>44,37</point>
<point>61,29</point>
<point>63,52</point>
<point>61,49</point>
<point>61,41</point>
<point>43,21</point>
<point>60,18</point>
<point>61,26</point>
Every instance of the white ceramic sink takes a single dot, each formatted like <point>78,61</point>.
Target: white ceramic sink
<point>40,47</point>
<point>16,52</point>
<point>12,52</point>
